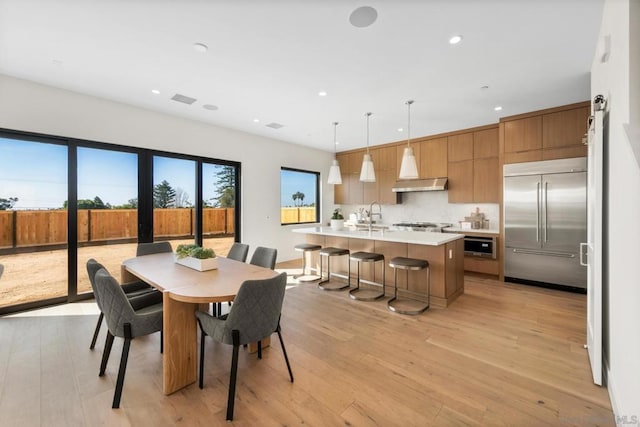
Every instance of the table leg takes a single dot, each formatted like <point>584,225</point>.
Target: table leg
<point>179,367</point>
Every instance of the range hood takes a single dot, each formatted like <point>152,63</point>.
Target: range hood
<point>429,184</point>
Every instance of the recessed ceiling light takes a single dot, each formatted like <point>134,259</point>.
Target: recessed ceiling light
<point>210,107</point>
<point>322,93</point>
<point>337,143</point>
<point>363,16</point>
<point>200,47</point>
<point>256,120</point>
<point>400,130</point>
<point>497,108</point>
<point>455,39</point>
<point>155,91</point>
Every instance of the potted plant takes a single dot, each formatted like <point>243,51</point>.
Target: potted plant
<point>337,220</point>
<point>196,257</point>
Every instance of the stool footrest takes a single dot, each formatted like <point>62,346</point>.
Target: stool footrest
<point>406,306</point>
<point>362,294</point>
<point>330,285</point>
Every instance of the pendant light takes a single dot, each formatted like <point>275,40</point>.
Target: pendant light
<point>408,167</point>
<point>367,174</point>
<point>334,171</point>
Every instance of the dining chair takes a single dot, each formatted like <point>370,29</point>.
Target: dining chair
<point>139,293</point>
<point>238,252</point>
<point>254,316</point>
<point>153,248</point>
<point>123,321</point>
<point>264,257</point>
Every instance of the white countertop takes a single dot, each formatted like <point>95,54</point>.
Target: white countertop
<point>413,237</point>
<point>473,230</point>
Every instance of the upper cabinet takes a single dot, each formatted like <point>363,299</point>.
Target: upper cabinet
<point>555,134</point>
<point>433,158</point>
<point>473,167</point>
<point>352,191</point>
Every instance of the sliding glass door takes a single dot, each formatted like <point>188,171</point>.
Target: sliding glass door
<point>219,190</point>
<point>33,221</point>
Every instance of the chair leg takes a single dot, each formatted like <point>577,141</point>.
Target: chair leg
<point>234,370</point>
<point>105,353</point>
<point>161,342</point>
<point>202,335</point>
<point>97,331</point>
<point>284,352</point>
<point>123,366</point>
<point>259,349</point>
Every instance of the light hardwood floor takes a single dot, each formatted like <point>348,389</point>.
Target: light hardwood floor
<point>502,354</point>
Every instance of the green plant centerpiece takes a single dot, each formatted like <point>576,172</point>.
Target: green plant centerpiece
<point>196,257</point>
<point>337,220</point>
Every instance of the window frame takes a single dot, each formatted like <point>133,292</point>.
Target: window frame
<point>317,190</point>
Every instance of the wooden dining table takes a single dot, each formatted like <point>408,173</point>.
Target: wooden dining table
<point>184,291</point>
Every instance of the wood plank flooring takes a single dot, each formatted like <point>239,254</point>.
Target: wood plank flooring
<point>502,354</point>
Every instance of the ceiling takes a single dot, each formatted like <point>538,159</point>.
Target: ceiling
<point>268,60</point>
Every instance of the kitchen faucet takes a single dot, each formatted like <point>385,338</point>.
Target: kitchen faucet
<point>371,213</point>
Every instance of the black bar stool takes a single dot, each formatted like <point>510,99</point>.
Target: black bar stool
<point>408,306</point>
<point>367,294</point>
<point>326,284</point>
<point>304,248</point>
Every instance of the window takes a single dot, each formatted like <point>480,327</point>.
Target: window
<point>299,196</point>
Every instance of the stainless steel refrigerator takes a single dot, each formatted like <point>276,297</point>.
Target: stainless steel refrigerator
<point>545,220</point>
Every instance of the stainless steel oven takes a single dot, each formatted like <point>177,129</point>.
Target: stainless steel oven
<point>480,246</point>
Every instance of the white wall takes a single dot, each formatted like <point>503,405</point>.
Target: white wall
<point>622,229</point>
<point>32,107</point>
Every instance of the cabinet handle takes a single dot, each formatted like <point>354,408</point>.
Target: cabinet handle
<point>538,212</point>
<point>546,211</point>
<point>582,263</point>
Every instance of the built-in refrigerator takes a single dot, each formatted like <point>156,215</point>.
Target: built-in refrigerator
<point>545,221</point>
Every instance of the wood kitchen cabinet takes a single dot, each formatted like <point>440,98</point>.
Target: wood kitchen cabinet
<point>356,187</point>
<point>387,175</point>
<point>341,191</point>
<point>475,178</point>
<point>551,134</point>
<point>433,158</point>
<point>370,189</point>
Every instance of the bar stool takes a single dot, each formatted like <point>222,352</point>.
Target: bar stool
<point>367,294</point>
<point>412,306</point>
<point>304,248</point>
<point>326,285</point>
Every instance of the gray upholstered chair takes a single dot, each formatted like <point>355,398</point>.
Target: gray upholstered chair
<point>153,248</point>
<point>123,321</point>
<point>238,252</point>
<point>254,316</point>
<point>139,293</point>
<point>264,257</point>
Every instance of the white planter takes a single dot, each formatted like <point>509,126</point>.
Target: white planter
<point>337,224</point>
<point>199,264</point>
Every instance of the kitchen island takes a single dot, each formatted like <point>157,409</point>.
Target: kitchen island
<point>444,251</point>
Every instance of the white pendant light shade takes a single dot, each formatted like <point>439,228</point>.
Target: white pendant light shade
<point>335,177</point>
<point>334,173</point>
<point>367,174</point>
<point>408,167</point>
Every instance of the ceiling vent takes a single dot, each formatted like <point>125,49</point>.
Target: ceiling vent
<point>274,125</point>
<point>184,99</point>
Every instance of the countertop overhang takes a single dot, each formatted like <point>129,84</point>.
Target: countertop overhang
<point>413,237</point>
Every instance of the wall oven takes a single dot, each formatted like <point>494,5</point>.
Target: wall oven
<point>479,246</point>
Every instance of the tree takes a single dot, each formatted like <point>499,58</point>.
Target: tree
<point>7,203</point>
<point>164,196</point>
<point>301,197</point>
<point>182,199</point>
<point>96,203</point>
<point>294,196</point>
<point>297,196</point>
<point>225,183</point>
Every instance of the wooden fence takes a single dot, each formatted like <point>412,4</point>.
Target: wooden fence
<point>295,215</point>
<point>41,228</point>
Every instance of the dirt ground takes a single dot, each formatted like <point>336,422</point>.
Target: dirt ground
<point>42,275</point>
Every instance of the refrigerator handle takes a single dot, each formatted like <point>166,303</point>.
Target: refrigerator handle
<point>538,212</point>
<point>546,213</point>
<point>583,246</point>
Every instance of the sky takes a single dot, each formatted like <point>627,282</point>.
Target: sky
<point>36,173</point>
<point>292,182</point>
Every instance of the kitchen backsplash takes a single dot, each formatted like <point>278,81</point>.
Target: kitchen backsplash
<point>430,206</point>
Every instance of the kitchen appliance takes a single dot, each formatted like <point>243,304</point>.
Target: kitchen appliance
<point>412,185</point>
<point>480,246</point>
<point>545,220</point>
<point>432,227</point>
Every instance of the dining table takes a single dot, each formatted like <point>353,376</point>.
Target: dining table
<point>186,290</point>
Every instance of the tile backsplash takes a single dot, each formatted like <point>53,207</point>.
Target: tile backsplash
<point>430,206</point>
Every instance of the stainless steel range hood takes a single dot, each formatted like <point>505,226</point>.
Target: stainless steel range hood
<point>429,184</point>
